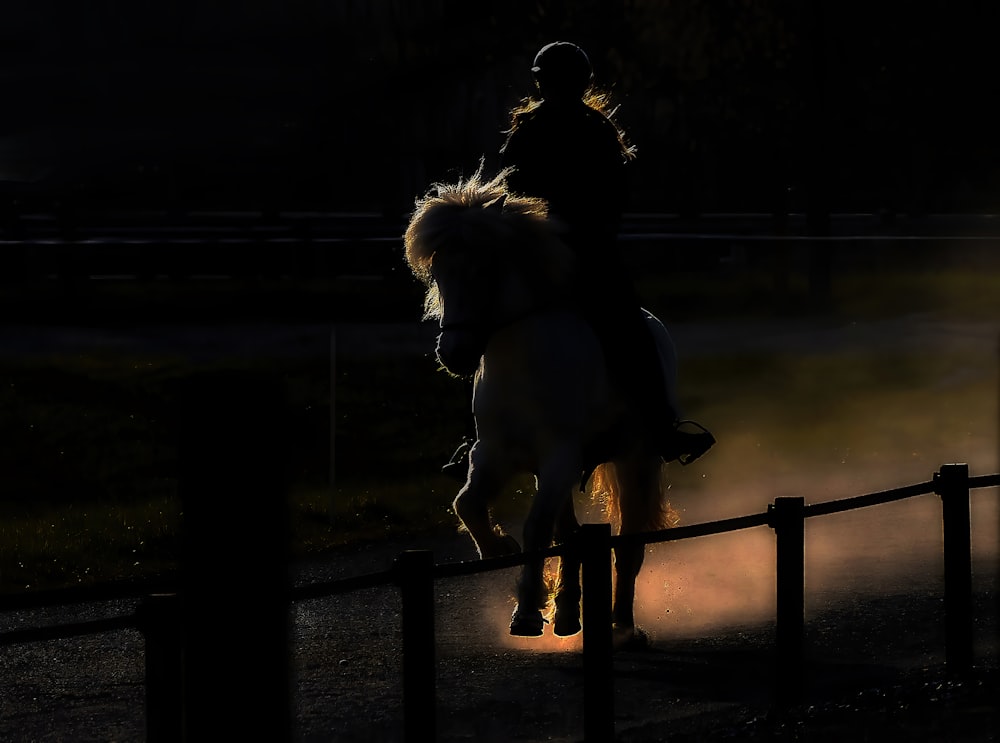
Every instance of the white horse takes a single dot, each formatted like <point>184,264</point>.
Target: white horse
<point>499,280</point>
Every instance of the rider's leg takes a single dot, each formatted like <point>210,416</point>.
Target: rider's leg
<point>634,365</point>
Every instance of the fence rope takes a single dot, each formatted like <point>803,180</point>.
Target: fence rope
<point>870,499</point>
<point>324,589</point>
<point>130,590</point>
<point>68,630</point>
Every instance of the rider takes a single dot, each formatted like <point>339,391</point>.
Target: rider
<point>565,148</point>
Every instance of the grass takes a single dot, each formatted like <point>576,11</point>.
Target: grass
<point>968,292</point>
<point>89,475</point>
<point>72,544</point>
<point>88,470</point>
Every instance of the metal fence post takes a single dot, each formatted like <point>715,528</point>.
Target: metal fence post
<point>788,522</point>
<point>598,665</point>
<point>952,484</point>
<point>160,622</point>
<point>415,574</point>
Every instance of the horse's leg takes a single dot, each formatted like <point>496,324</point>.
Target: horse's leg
<point>640,481</point>
<point>567,600</point>
<point>472,505</point>
<point>628,562</point>
<point>555,489</point>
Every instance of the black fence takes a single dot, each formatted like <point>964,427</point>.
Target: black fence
<point>165,615</point>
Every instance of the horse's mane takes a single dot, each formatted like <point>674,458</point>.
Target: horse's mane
<point>480,213</point>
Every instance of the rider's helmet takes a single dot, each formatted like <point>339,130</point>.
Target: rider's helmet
<point>562,69</point>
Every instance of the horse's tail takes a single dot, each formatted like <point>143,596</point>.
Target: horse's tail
<point>634,495</point>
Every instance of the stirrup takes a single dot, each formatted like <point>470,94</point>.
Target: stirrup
<point>695,444</point>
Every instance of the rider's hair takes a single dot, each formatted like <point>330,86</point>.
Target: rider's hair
<point>594,98</point>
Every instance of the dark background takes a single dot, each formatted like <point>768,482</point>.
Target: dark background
<point>358,106</point>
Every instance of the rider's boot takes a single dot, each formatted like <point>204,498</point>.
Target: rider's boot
<point>685,445</point>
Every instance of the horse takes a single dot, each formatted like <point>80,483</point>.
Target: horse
<point>499,281</point>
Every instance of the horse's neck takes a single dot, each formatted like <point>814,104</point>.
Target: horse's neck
<point>524,294</point>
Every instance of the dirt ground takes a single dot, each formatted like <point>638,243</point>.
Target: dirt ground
<point>874,670</point>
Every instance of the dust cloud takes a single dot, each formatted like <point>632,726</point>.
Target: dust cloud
<point>726,582</point>
<point>824,426</point>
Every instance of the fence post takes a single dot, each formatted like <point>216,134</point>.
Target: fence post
<point>234,567</point>
<point>159,620</point>
<point>332,498</point>
<point>415,574</point>
<point>952,484</point>
<point>788,522</point>
<point>598,665</point>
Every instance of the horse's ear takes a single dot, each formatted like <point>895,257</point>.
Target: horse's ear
<point>497,204</point>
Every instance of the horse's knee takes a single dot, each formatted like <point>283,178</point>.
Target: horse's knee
<point>473,513</point>
<point>462,506</point>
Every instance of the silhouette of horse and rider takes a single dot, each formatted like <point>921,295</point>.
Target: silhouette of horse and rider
<point>564,147</point>
<point>573,381</point>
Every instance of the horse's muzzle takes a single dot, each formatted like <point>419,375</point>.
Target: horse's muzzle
<point>459,350</point>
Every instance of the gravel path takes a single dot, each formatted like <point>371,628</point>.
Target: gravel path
<point>864,675</point>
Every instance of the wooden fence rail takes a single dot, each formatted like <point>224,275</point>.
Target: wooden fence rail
<point>415,573</point>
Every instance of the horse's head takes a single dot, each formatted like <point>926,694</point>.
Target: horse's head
<point>488,257</point>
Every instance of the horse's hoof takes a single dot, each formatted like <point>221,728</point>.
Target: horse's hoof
<point>566,626</point>
<point>566,622</point>
<point>527,623</point>
<point>629,638</point>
